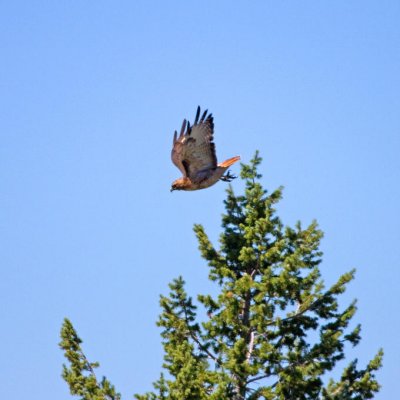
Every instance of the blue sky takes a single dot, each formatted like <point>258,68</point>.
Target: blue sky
<point>91,93</point>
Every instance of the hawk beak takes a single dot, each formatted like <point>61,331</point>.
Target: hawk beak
<point>171,190</point>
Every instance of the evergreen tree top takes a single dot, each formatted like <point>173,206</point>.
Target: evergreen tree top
<point>274,331</point>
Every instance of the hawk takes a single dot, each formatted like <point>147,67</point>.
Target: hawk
<point>193,152</point>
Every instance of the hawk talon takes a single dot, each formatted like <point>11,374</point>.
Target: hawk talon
<point>228,177</point>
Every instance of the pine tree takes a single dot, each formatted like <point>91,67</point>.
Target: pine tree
<point>80,375</point>
<point>274,331</point>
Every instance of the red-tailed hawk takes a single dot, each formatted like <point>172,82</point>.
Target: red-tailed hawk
<point>193,152</point>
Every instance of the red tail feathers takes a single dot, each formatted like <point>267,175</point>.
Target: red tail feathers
<point>227,163</point>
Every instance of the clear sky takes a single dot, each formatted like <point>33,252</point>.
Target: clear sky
<point>91,92</point>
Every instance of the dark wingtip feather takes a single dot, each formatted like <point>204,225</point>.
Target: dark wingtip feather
<point>203,116</point>
<point>183,128</point>
<point>175,136</point>
<point>196,120</point>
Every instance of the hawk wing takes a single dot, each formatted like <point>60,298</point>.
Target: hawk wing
<point>193,150</point>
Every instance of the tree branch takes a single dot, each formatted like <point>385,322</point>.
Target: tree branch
<point>197,340</point>
<point>250,346</point>
<point>257,378</point>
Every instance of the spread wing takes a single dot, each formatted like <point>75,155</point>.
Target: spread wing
<point>193,150</point>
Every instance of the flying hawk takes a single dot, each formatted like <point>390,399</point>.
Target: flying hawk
<point>193,152</point>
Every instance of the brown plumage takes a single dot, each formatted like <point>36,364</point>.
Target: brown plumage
<point>193,152</point>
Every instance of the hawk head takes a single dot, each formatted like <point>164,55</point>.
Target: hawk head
<point>180,184</point>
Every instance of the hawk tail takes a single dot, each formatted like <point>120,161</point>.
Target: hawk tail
<point>227,163</point>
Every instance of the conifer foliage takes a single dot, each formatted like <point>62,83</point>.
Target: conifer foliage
<point>273,332</point>
<point>80,375</point>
